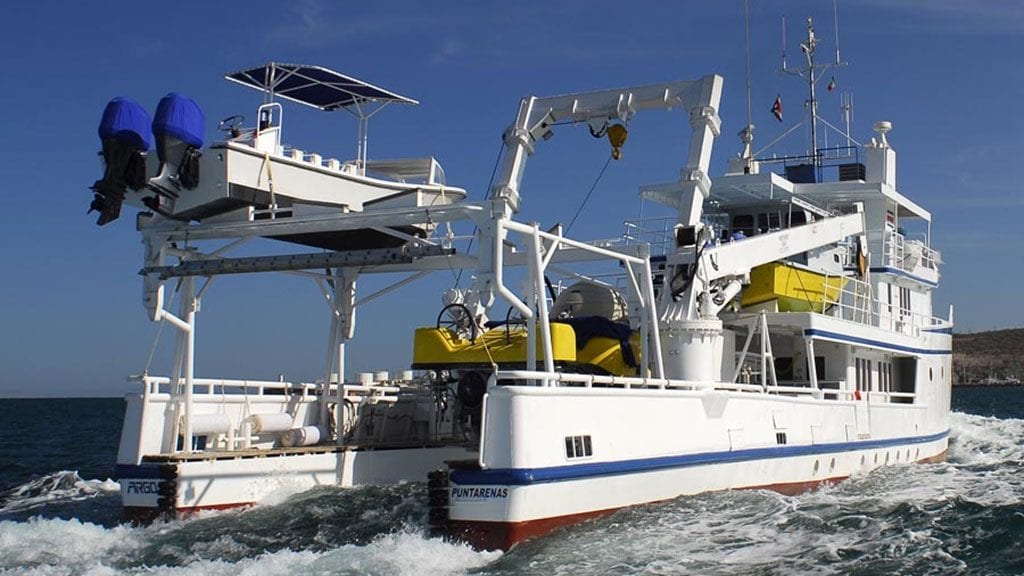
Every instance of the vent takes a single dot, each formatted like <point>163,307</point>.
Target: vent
<point>853,171</point>
<point>578,446</point>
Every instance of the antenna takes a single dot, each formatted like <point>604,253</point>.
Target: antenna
<point>835,17</point>
<point>846,105</point>
<point>783,42</point>
<point>747,134</point>
<point>746,30</point>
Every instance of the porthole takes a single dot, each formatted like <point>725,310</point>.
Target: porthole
<point>816,464</point>
<point>876,457</point>
<point>861,460</point>
<point>832,465</point>
<point>897,455</point>
<point>929,374</point>
<point>917,454</point>
<point>908,454</point>
<point>886,457</point>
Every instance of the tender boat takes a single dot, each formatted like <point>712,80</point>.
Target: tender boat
<point>775,332</point>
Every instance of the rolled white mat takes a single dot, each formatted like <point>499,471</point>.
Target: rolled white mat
<point>203,424</point>
<point>305,436</point>
<point>366,378</point>
<point>270,422</point>
<point>380,377</point>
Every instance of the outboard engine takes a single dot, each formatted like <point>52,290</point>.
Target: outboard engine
<point>124,132</point>
<point>178,128</point>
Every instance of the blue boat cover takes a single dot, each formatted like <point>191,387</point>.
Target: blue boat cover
<point>124,119</point>
<point>179,116</point>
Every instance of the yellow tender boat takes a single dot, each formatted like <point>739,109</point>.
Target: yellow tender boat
<point>794,289</point>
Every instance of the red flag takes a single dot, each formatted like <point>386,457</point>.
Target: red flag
<point>777,108</point>
<point>832,84</point>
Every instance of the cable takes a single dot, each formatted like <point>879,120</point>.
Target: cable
<point>589,192</point>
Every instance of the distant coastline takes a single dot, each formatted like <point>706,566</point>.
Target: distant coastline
<point>989,359</point>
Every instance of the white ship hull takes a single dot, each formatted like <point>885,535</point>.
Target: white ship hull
<point>234,464</point>
<point>655,445</point>
<point>183,486</point>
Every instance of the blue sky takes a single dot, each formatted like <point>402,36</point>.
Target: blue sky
<point>945,72</point>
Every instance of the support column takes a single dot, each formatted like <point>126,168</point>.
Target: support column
<point>812,370</point>
<point>189,307</point>
<point>345,297</point>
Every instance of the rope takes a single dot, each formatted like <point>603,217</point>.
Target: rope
<point>589,192</point>
<point>487,349</point>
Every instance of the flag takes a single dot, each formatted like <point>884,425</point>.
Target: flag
<point>832,84</point>
<point>777,108</point>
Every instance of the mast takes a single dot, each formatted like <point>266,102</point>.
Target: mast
<point>812,72</point>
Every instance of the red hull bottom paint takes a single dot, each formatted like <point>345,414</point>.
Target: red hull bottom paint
<point>505,535</point>
<point>146,515</point>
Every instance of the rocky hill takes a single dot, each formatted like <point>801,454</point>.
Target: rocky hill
<point>998,355</point>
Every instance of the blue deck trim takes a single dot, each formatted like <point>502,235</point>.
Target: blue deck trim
<point>526,476</point>
<point>898,272</point>
<point>870,342</point>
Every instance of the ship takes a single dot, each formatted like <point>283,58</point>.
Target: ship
<point>774,331</point>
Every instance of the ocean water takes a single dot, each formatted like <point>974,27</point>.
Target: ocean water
<point>59,514</point>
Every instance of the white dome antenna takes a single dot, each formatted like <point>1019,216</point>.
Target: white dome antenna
<point>883,127</point>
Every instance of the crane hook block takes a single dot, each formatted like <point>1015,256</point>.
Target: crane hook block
<point>617,137</point>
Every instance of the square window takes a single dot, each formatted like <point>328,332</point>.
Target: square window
<point>578,444</point>
<point>568,447</point>
<point>587,449</point>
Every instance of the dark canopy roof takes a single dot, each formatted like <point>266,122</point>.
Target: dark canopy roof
<point>314,86</point>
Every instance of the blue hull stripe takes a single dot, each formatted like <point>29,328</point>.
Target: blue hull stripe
<point>526,476</point>
<point>869,342</point>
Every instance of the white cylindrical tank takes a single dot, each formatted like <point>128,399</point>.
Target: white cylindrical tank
<point>691,349</point>
<point>277,422</point>
<point>380,377</point>
<point>205,424</point>
<point>305,436</point>
<point>365,378</point>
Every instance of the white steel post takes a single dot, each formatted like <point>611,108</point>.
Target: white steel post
<point>328,365</point>
<point>345,298</point>
<point>542,308</point>
<point>811,367</point>
<point>189,302</point>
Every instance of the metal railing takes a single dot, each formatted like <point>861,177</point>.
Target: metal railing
<point>907,255</point>
<point>222,387</point>
<point>658,233</point>
<point>855,302</point>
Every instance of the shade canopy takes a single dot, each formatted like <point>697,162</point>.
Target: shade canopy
<point>314,86</point>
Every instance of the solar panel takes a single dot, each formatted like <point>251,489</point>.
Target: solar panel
<point>314,86</point>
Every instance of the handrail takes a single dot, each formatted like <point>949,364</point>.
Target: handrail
<point>152,385</point>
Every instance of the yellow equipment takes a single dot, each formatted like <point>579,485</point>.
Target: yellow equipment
<point>794,289</point>
<point>442,348</point>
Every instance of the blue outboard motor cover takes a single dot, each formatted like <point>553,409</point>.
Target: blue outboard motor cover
<point>124,119</point>
<point>179,116</point>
